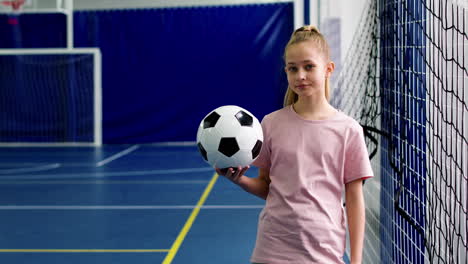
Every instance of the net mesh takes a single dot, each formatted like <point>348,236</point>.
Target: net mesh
<point>47,98</point>
<point>404,81</point>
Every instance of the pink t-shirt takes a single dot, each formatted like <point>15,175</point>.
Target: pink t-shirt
<point>303,221</point>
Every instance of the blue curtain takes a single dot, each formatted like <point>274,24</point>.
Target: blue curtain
<point>165,69</point>
<point>33,31</point>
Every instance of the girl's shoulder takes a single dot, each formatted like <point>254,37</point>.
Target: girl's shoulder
<point>278,114</point>
<point>348,120</point>
<point>350,126</point>
<point>286,115</point>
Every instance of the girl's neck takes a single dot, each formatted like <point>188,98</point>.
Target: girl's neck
<point>314,109</point>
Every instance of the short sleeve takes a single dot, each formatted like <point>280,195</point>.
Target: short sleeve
<point>263,160</point>
<point>357,164</point>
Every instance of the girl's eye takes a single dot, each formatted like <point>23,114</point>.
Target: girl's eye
<point>292,69</point>
<point>309,67</point>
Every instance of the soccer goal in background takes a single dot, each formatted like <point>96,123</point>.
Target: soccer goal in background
<point>51,93</point>
<point>50,96</point>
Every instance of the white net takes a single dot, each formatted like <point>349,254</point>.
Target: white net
<point>50,96</point>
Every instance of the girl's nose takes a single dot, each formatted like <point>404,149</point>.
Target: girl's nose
<point>301,75</point>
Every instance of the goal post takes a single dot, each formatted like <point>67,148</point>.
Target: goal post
<point>51,96</point>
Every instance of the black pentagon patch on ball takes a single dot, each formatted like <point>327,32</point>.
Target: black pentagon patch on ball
<point>256,149</point>
<point>228,146</point>
<point>210,120</point>
<point>244,118</point>
<point>202,151</point>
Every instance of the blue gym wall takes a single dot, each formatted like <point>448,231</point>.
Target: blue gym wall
<point>164,69</point>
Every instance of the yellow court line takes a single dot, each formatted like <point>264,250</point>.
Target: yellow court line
<point>81,250</point>
<point>188,224</point>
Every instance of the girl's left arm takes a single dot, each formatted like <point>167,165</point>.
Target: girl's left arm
<point>356,219</point>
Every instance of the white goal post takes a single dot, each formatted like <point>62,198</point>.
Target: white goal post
<point>96,82</point>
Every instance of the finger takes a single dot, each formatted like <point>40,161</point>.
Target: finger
<point>219,171</point>
<point>232,172</point>
<point>227,173</point>
<point>224,172</point>
<point>238,173</point>
<point>244,170</point>
<point>241,171</point>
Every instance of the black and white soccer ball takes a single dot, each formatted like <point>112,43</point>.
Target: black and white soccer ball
<point>229,136</point>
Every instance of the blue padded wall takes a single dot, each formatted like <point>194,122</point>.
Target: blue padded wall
<point>33,31</point>
<point>165,69</point>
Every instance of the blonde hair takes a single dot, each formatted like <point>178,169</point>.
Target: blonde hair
<point>301,34</point>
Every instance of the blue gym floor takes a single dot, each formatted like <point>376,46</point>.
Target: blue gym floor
<point>121,204</point>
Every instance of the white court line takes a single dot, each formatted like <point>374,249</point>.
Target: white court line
<point>175,144</point>
<point>116,156</point>
<point>32,169</point>
<point>103,182</point>
<point>20,164</point>
<point>124,207</point>
<point>63,164</point>
<point>104,174</point>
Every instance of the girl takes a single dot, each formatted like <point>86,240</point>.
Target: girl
<point>312,153</point>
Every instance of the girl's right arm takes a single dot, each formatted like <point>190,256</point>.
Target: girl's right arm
<point>257,186</point>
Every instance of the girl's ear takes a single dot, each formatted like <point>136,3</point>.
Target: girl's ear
<point>330,68</point>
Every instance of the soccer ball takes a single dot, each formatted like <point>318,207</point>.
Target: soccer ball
<point>229,136</point>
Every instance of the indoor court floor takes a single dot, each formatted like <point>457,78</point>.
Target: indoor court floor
<point>121,204</point>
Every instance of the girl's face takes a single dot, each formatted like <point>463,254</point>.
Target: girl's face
<point>307,69</point>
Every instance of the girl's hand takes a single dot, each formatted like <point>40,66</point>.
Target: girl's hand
<point>233,174</point>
